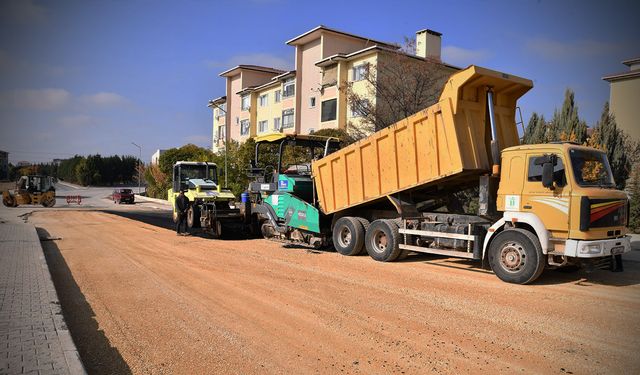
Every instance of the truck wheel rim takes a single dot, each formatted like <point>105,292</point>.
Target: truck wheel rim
<point>379,242</point>
<point>344,239</point>
<point>512,257</point>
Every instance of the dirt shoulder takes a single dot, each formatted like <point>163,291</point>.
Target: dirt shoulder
<point>138,298</point>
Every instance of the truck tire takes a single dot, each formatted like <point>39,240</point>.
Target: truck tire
<point>403,253</point>
<point>348,236</point>
<point>515,256</point>
<point>365,226</point>
<point>193,217</point>
<point>382,241</point>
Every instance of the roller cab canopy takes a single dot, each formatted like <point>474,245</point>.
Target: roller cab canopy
<point>443,145</point>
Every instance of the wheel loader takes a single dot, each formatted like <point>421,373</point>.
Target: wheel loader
<point>32,189</point>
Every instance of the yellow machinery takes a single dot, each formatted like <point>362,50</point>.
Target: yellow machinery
<point>32,189</point>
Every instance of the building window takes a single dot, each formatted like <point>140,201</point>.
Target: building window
<point>359,72</point>
<point>263,100</point>
<point>221,132</point>
<point>276,124</point>
<point>359,108</point>
<point>289,87</point>
<point>245,104</point>
<point>237,120</point>
<point>244,127</point>
<point>288,120</point>
<point>312,102</point>
<point>328,109</point>
<point>278,95</point>
<point>263,126</point>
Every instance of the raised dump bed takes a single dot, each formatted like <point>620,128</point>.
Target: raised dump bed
<point>434,146</point>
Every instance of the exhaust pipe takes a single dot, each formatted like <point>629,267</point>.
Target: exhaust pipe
<point>495,147</point>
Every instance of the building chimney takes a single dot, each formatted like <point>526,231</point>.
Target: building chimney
<point>428,44</point>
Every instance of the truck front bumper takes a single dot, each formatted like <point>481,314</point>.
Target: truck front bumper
<point>597,248</point>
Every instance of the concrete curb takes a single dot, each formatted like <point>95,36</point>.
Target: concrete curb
<point>155,200</point>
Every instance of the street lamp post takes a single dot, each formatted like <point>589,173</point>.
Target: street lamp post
<point>139,160</point>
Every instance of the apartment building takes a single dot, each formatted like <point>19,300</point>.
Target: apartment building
<point>219,110</point>
<point>262,100</point>
<point>624,94</point>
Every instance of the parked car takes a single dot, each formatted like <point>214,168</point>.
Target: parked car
<point>122,196</point>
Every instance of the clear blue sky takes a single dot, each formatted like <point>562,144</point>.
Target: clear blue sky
<point>93,76</point>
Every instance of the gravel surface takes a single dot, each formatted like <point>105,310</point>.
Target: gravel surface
<point>138,298</point>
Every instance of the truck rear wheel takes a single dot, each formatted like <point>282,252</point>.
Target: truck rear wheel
<point>382,240</point>
<point>515,256</point>
<point>193,217</point>
<point>348,236</point>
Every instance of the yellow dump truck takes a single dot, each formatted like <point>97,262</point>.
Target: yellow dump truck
<point>398,190</point>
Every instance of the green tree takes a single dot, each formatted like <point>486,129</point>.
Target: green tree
<point>566,122</point>
<point>344,137</point>
<point>615,143</point>
<point>536,130</point>
<point>82,172</point>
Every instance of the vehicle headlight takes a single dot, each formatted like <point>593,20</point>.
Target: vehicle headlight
<point>591,249</point>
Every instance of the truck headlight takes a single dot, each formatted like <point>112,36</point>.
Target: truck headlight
<point>591,249</point>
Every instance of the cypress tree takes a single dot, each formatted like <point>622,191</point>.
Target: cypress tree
<point>613,141</point>
<point>566,123</point>
<point>536,130</point>
<point>531,129</point>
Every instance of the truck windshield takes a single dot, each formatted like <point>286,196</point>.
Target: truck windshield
<point>591,168</point>
<point>190,172</point>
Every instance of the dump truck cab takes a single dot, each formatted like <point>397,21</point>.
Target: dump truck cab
<point>210,203</point>
<point>283,198</point>
<point>566,194</point>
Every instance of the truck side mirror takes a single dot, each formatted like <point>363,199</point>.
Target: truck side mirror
<point>547,175</point>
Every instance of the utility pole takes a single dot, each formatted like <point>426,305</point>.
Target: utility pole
<point>139,161</point>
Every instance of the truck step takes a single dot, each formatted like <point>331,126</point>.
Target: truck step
<point>429,250</point>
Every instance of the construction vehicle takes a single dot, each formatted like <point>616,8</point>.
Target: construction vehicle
<point>397,191</point>
<point>32,189</point>
<point>210,205</point>
<point>282,191</point>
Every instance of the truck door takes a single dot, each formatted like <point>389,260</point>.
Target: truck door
<point>551,205</point>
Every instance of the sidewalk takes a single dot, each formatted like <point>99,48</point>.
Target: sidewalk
<point>34,338</point>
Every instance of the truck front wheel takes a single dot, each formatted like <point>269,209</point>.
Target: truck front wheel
<point>515,256</point>
<point>348,236</point>
<point>382,240</point>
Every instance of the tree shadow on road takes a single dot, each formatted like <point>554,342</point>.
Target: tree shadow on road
<point>97,354</point>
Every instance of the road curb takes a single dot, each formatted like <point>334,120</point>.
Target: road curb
<point>155,200</point>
